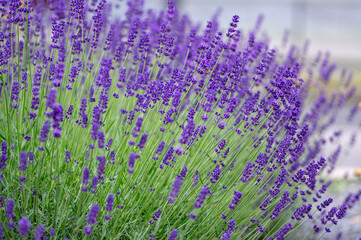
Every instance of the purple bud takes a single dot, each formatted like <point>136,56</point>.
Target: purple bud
<point>193,216</point>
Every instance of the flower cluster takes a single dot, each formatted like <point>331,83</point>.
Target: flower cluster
<point>150,125</point>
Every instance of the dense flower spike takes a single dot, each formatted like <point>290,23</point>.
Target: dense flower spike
<point>44,131</point>
<point>109,206</point>
<point>24,226</point>
<point>138,126</point>
<point>101,166</point>
<point>94,184</point>
<point>236,199</point>
<point>9,209</point>
<point>39,231</point>
<point>92,217</point>
<point>176,187</point>
<point>173,235</point>
<point>177,129</point>
<point>110,201</point>
<point>4,157</point>
<point>131,162</point>
<point>85,179</point>
<point>202,196</point>
<point>143,140</point>
<point>23,161</point>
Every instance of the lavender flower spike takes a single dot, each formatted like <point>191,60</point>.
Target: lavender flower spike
<point>24,226</point>
<point>88,229</point>
<point>92,217</point>
<point>23,161</point>
<point>85,180</point>
<point>39,232</point>
<point>9,209</point>
<point>175,190</point>
<point>110,201</point>
<point>173,235</point>
<point>131,162</point>
<point>44,131</point>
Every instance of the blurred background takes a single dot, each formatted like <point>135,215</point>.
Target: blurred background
<point>333,25</point>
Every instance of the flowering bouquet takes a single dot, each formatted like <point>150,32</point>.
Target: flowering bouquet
<point>150,127</point>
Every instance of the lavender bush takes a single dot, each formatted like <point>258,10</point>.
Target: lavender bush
<point>150,127</point>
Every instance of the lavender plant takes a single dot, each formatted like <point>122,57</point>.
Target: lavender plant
<point>148,126</point>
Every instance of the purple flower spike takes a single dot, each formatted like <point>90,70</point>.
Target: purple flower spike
<point>11,224</point>
<point>160,148</point>
<point>94,184</point>
<point>173,235</point>
<point>67,156</point>
<point>9,209</point>
<point>1,231</point>
<point>175,190</point>
<point>215,175</point>
<point>100,140</point>
<point>202,196</point>
<point>131,162</point>
<point>143,140</point>
<point>137,127</point>
<point>23,161</point>
<point>109,144</point>
<point>52,232</point>
<point>4,157</point>
<point>88,229</point>
<point>15,94</point>
<point>110,201</point>
<point>236,199</point>
<point>85,179</point>
<point>92,217</point>
<point>101,166</point>
<point>39,232</point>
<point>51,98</point>
<point>44,131</point>
<point>24,225</point>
